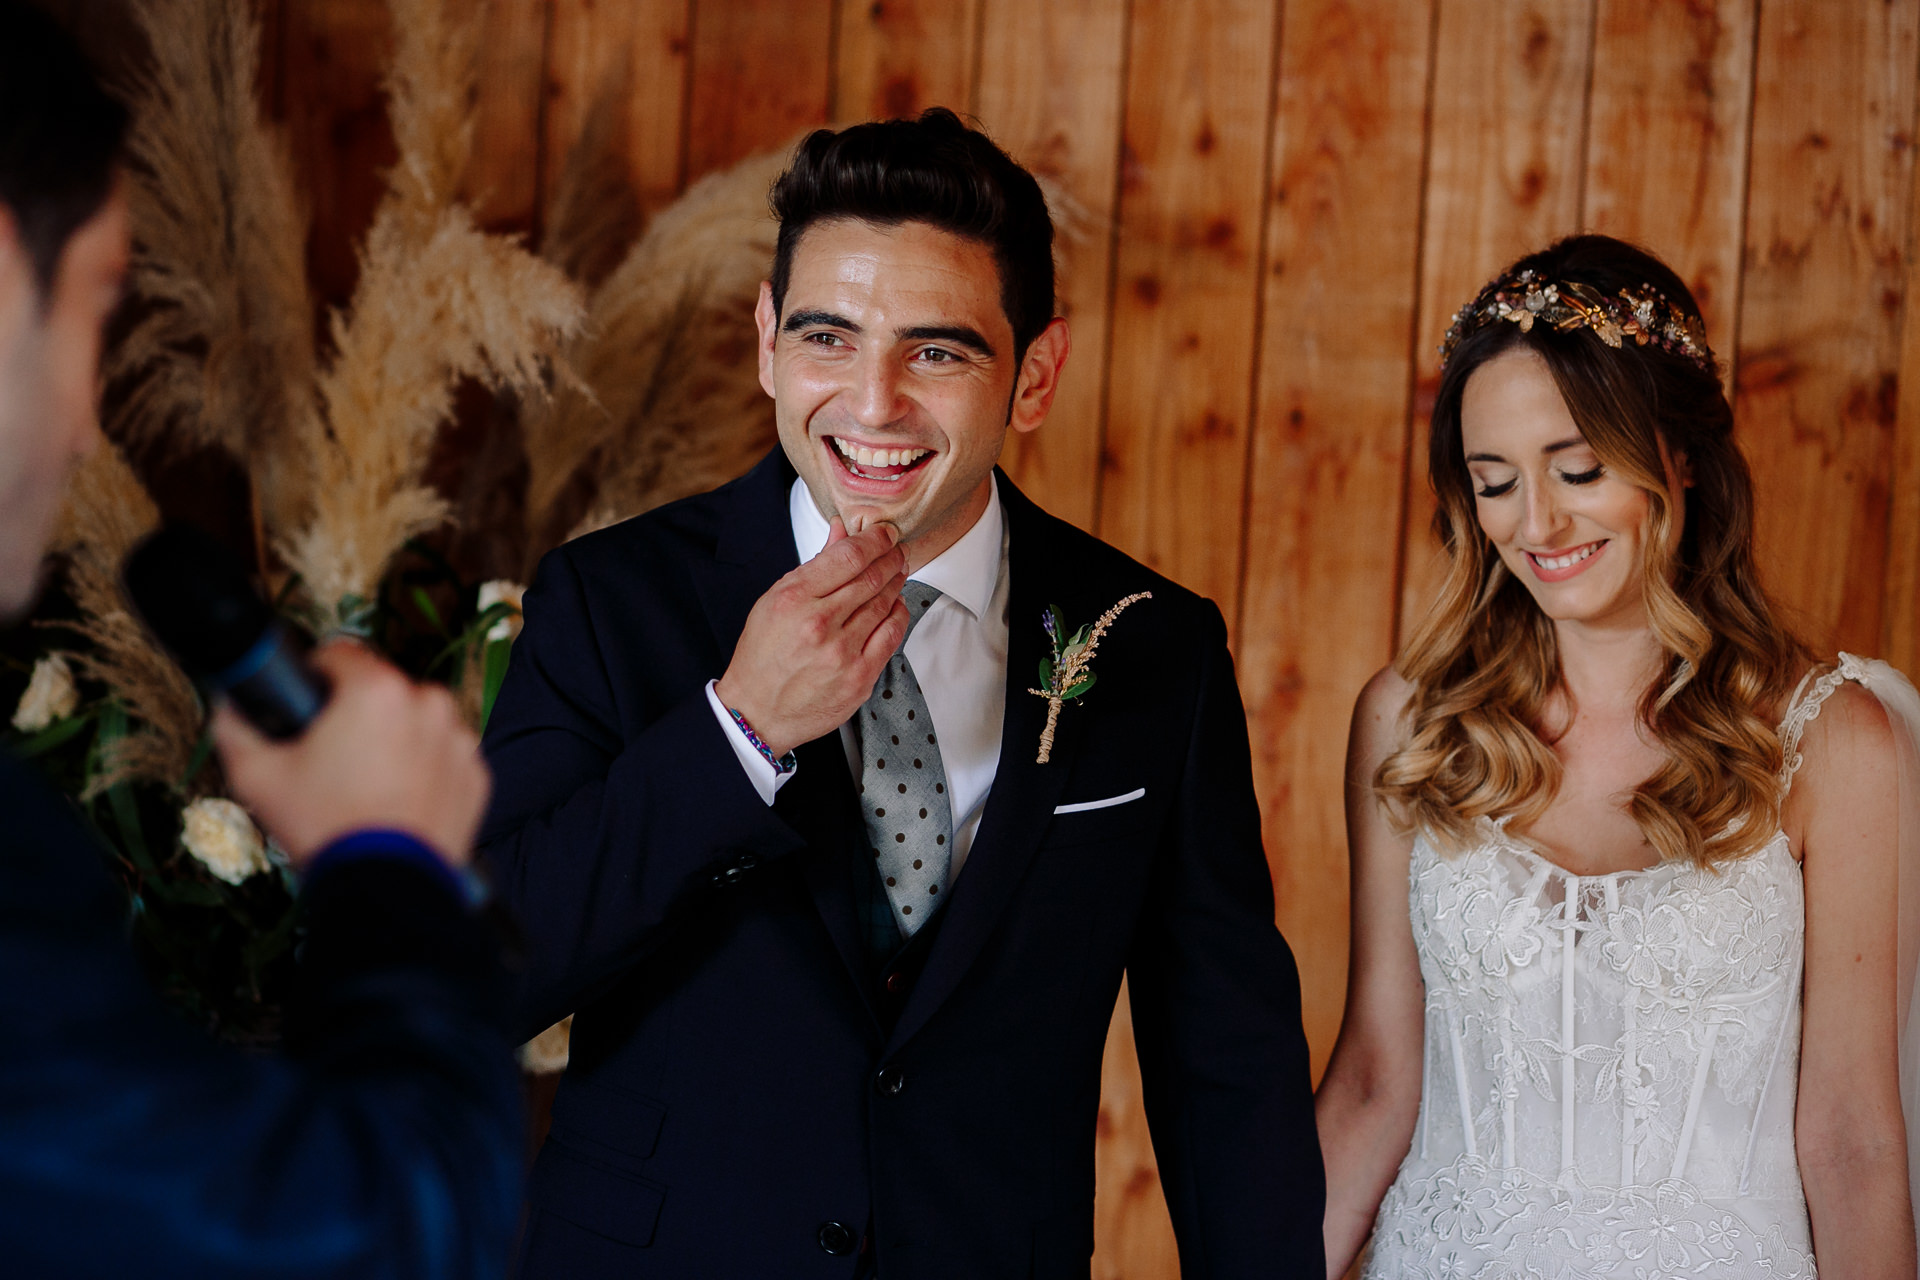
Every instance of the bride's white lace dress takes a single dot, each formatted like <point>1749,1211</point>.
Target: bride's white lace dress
<point>1611,1064</point>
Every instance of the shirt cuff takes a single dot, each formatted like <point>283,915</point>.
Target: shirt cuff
<point>766,779</point>
<point>381,843</point>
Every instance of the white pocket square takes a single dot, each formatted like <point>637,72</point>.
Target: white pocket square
<point>1108,803</point>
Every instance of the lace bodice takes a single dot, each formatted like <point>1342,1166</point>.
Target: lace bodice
<point>1611,1065</point>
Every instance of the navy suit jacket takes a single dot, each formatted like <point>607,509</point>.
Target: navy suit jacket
<point>743,1101</point>
<point>386,1142</point>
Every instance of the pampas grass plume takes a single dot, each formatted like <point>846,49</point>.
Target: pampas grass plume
<point>222,351</point>
<point>107,510</point>
<point>438,300</point>
<point>672,403</point>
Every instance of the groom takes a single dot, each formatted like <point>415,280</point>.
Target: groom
<point>841,950</point>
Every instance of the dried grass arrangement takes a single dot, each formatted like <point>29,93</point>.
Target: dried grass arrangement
<point>622,370</point>
<point>669,402</point>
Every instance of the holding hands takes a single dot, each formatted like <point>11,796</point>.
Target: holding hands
<point>815,643</point>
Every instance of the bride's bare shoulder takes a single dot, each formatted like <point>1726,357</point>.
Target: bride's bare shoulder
<point>1379,713</point>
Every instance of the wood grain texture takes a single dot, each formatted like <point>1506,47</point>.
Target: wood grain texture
<point>1900,631</point>
<point>1050,93</point>
<point>1186,299</point>
<point>627,58</point>
<point>896,58</point>
<point>763,71</point>
<point>1132,1234</point>
<point>333,56</point>
<point>1317,617</point>
<point>503,181</point>
<point>1667,140</point>
<point>1504,168</point>
<point>1272,239</point>
<point>1819,349</point>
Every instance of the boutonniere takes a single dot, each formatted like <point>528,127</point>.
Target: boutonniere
<point>1068,673</point>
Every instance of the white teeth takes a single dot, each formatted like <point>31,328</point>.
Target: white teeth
<point>860,455</point>
<point>1568,560</point>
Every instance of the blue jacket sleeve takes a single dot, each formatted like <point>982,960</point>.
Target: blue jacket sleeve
<point>385,1142</point>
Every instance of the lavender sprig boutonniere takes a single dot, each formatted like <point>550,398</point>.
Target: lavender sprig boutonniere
<point>1068,672</point>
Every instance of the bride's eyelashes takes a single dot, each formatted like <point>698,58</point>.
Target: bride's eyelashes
<point>1505,487</point>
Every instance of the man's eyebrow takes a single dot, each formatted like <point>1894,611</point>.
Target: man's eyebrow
<point>799,320</point>
<point>1571,442</point>
<point>963,335</point>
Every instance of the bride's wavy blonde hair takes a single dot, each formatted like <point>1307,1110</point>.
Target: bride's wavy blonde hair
<point>1484,661</point>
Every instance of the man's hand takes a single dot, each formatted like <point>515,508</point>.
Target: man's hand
<point>384,752</point>
<point>815,643</point>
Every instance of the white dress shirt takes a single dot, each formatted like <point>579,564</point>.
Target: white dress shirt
<point>959,656</point>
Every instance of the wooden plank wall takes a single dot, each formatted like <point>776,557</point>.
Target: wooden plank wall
<point>1281,205</point>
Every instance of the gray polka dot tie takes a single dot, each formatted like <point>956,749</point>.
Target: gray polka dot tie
<point>903,786</point>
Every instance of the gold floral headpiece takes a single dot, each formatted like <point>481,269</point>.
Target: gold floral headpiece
<point>1644,314</point>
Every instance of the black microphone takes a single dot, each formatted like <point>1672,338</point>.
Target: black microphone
<point>195,596</point>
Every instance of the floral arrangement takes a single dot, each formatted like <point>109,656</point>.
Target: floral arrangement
<point>619,376</point>
<point>1067,672</point>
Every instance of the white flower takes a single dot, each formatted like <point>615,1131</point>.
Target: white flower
<point>223,837</point>
<point>50,695</point>
<point>501,591</point>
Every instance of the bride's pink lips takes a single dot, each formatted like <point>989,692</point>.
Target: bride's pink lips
<point>1578,567</point>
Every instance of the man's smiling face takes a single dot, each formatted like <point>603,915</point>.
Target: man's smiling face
<point>892,368</point>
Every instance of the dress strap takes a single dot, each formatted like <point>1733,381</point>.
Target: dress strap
<point>1804,708</point>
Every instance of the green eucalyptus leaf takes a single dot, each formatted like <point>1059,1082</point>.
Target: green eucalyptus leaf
<point>201,750</point>
<point>1080,637</point>
<point>1046,673</point>
<point>126,821</point>
<point>1081,687</point>
<point>52,736</point>
<point>498,651</point>
<point>424,603</point>
<point>195,893</point>
<point>481,623</point>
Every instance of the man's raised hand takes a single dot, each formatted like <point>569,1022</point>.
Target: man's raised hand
<point>816,641</point>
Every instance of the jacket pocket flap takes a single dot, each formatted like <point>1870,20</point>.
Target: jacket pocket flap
<point>604,1201</point>
<point>601,1118</point>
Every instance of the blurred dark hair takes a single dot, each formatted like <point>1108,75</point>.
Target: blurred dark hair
<point>934,170</point>
<point>1485,659</point>
<point>60,135</point>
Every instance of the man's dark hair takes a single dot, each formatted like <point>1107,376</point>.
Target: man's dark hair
<point>934,170</point>
<point>60,135</point>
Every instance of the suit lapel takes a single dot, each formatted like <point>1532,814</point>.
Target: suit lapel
<point>1021,802</point>
<point>753,551</point>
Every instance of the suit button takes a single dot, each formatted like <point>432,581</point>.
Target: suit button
<point>837,1238</point>
<point>890,1081</point>
<point>896,983</point>
<point>736,871</point>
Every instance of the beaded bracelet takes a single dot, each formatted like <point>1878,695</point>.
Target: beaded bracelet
<point>782,764</point>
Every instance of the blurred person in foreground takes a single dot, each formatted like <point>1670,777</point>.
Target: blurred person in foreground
<point>386,1141</point>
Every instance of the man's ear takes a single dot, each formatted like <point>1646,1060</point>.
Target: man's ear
<point>766,318</point>
<point>1040,376</point>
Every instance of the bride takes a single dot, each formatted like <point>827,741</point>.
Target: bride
<point>1627,977</point>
